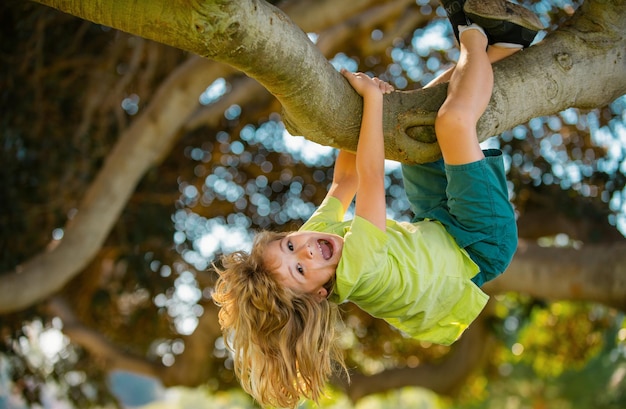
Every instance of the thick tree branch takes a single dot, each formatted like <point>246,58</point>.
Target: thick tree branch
<point>96,344</point>
<point>444,378</point>
<point>543,80</point>
<point>142,145</point>
<point>595,273</point>
<point>191,368</point>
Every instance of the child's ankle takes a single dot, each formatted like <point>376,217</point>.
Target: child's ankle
<point>473,26</point>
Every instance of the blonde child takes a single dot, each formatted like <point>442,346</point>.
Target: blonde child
<point>279,303</point>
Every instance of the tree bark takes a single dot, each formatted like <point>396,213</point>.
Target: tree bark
<point>191,368</point>
<point>590,273</point>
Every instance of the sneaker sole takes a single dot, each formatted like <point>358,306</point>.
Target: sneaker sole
<point>503,11</point>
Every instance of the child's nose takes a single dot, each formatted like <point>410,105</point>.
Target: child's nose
<point>307,251</point>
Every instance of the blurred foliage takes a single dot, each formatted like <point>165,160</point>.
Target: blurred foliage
<point>532,378</point>
<point>70,87</point>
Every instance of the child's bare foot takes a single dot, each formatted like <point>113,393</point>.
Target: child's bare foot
<point>504,22</point>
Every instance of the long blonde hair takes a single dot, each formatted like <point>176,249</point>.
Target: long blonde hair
<point>284,344</point>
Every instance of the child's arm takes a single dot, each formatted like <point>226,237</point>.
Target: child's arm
<point>345,179</point>
<point>370,155</point>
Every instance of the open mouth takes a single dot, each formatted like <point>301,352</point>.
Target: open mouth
<point>326,248</point>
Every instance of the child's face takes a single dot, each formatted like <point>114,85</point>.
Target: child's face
<point>305,261</point>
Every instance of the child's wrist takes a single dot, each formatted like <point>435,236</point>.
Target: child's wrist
<point>373,95</point>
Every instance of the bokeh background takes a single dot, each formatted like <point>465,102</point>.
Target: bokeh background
<point>68,88</point>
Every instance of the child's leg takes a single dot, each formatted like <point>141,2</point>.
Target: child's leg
<point>469,92</point>
<point>426,184</point>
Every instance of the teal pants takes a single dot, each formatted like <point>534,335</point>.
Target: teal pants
<point>472,203</point>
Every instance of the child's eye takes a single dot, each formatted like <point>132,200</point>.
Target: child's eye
<point>300,269</point>
<point>289,246</point>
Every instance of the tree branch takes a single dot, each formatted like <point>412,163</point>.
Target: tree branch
<point>142,145</point>
<point>444,378</point>
<point>96,344</point>
<point>542,80</point>
<point>595,273</point>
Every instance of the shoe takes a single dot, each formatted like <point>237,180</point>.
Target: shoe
<point>456,15</point>
<point>504,22</point>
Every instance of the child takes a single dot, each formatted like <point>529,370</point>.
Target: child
<point>279,303</point>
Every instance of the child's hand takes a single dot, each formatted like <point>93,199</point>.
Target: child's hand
<point>364,85</point>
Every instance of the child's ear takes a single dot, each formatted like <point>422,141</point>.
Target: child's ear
<point>321,294</point>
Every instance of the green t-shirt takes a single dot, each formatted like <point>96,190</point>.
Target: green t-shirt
<point>414,275</point>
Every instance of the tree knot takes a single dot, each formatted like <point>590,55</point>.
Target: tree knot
<point>564,60</point>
